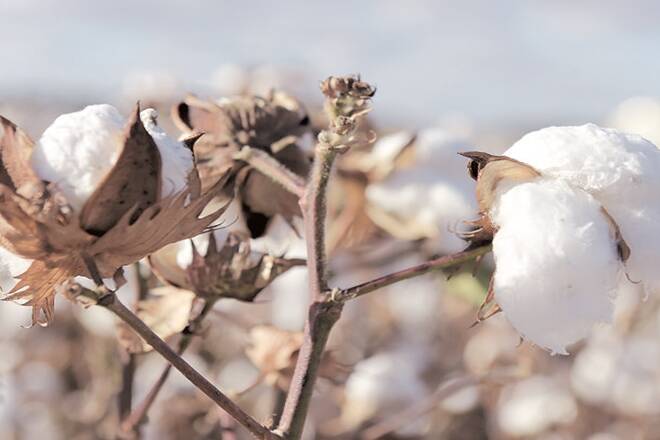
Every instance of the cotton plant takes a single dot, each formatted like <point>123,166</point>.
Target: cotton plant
<point>96,192</point>
<point>573,214</point>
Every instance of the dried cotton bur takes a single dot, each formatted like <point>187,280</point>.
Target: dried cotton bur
<point>573,214</point>
<point>95,193</point>
<point>232,271</point>
<point>253,138</point>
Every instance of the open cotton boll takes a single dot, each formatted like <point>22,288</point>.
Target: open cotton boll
<point>557,266</point>
<point>176,158</point>
<point>622,171</point>
<point>78,149</point>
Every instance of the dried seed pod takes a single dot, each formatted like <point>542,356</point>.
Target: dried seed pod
<point>231,271</point>
<point>274,125</point>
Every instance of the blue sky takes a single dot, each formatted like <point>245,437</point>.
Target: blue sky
<point>502,62</point>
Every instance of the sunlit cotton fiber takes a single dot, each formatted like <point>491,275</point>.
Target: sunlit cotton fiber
<point>556,260</point>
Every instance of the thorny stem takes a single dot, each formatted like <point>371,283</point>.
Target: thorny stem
<point>139,415</point>
<point>109,300</point>
<point>270,167</point>
<point>321,315</point>
<point>443,262</point>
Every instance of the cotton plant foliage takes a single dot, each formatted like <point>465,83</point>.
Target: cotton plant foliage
<point>96,192</point>
<point>573,212</point>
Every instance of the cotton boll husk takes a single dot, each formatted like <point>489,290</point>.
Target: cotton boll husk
<point>432,192</point>
<point>533,405</point>
<point>78,149</point>
<point>557,266</point>
<point>622,171</point>
<point>176,158</point>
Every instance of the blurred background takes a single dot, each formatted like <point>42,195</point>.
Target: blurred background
<point>450,75</point>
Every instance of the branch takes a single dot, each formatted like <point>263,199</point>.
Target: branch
<point>321,316</point>
<point>139,415</point>
<point>414,271</point>
<point>270,167</point>
<point>346,100</point>
<point>110,301</point>
<point>129,360</point>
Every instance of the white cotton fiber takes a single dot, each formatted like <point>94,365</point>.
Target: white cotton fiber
<point>622,171</point>
<point>557,266</point>
<point>78,149</point>
<point>176,158</point>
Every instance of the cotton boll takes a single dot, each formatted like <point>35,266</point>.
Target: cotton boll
<point>176,158</point>
<point>78,150</point>
<point>533,405</point>
<point>557,266</point>
<point>622,171</point>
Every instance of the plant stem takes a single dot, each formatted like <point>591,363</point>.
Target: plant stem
<point>321,315</point>
<point>411,272</point>
<point>139,415</point>
<point>109,300</point>
<point>125,397</point>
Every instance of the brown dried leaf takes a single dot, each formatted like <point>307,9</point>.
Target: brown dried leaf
<point>19,232</point>
<point>166,311</point>
<point>36,287</point>
<point>273,351</point>
<point>132,184</point>
<point>16,148</point>
<point>262,196</point>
